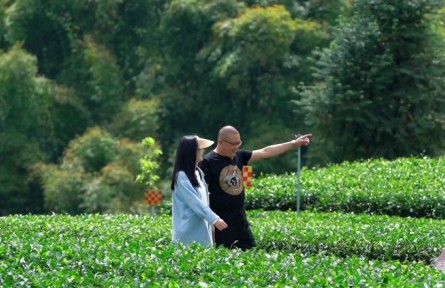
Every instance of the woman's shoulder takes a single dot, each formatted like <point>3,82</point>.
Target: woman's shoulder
<point>181,175</point>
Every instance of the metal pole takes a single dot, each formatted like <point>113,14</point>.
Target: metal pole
<point>299,182</point>
<point>298,175</point>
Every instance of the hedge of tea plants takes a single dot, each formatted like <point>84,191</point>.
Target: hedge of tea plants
<point>313,248</point>
<point>404,187</point>
<point>373,236</point>
<point>135,251</point>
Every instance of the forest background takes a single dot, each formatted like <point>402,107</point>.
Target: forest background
<point>89,88</point>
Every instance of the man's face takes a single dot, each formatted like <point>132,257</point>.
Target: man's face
<point>229,144</point>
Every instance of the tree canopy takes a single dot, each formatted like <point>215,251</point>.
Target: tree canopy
<point>380,84</point>
<point>84,83</point>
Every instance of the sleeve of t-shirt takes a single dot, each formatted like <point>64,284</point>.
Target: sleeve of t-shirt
<point>245,156</point>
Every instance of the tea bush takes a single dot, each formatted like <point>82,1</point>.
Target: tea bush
<point>403,187</point>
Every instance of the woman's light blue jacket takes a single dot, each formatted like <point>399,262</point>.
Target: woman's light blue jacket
<point>192,218</point>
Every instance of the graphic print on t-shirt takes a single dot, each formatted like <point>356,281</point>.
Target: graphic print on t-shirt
<point>230,180</point>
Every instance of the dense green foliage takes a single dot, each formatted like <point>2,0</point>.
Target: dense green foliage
<point>239,62</point>
<point>166,68</point>
<point>404,187</point>
<point>374,237</point>
<point>307,249</point>
<point>149,164</point>
<point>380,89</point>
<point>97,175</point>
<point>93,52</point>
<point>25,128</point>
<point>136,251</point>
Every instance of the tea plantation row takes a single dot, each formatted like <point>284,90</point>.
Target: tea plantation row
<point>305,250</point>
<point>376,237</point>
<point>308,249</point>
<point>405,187</point>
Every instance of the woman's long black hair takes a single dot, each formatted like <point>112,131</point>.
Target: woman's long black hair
<point>185,160</point>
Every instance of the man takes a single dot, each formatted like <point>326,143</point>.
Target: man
<point>222,168</point>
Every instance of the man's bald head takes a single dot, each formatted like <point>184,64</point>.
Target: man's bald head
<point>225,131</point>
<point>229,140</point>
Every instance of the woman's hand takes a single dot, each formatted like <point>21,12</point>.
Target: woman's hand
<point>220,224</point>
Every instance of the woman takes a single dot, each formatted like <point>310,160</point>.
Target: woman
<point>192,217</point>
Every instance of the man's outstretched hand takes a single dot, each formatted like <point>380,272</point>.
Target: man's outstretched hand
<point>302,140</point>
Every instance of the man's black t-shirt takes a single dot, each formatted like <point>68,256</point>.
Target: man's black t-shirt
<point>224,177</point>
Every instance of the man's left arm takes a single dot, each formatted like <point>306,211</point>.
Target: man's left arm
<point>277,149</point>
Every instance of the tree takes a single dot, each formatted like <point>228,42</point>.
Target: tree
<point>97,175</point>
<point>234,64</point>
<point>380,85</point>
<point>2,24</point>
<point>103,89</point>
<point>25,129</point>
<point>93,52</point>
<point>136,120</point>
<point>54,32</point>
<point>148,164</point>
